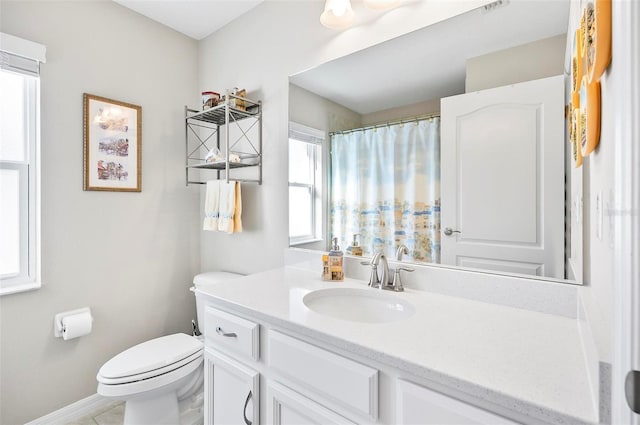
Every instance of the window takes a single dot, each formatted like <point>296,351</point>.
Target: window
<point>305,184</point>
<point>19,177</point>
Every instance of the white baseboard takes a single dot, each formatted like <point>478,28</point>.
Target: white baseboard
<point>73,411</point>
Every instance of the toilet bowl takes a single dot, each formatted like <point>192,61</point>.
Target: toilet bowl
<point>161,380</point>
<point>150,375</point>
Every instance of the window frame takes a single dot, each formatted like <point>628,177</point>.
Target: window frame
<point>315,138</point>
<point>28,278</point>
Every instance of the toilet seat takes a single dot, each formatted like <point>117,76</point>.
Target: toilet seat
<point>149,374</point>
<point>154,386</point>
<point>150,359</point>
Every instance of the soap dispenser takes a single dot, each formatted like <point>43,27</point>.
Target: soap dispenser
<point>336,270</point>
<point>355,249</point>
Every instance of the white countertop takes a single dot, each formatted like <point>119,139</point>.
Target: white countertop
<point>526,361</point>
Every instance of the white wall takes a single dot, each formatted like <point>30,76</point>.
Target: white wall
<point>128,256</point>
<point>421,108</point>
<point>265,46</point>
<point>314,111</point>
<point>531,61</point>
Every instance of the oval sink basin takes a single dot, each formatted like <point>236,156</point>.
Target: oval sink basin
<point>358,305</point>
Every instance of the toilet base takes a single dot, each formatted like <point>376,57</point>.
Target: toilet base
<point>160,410</point>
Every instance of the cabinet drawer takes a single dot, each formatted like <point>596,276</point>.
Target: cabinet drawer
<point>337,379</point>
<point>231,333</point>
<point>419,405</point>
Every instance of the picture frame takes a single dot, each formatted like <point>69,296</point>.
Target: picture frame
<point>112,145</point>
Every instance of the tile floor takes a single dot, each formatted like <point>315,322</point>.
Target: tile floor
<point>112,414</point>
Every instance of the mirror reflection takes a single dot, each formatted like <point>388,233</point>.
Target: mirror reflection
<point>448,141</point>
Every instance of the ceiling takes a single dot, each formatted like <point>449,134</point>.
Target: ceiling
<point>426,64</point>
<point>195,18</point>
<point>430,63</point>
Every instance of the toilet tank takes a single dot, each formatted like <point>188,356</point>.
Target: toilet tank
<point>202,280</point>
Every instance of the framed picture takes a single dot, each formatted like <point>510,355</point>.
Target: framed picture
<point>112,145</point>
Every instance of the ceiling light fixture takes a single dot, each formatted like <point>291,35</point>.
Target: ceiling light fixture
<point>337,14</point>
<point>381,4</point>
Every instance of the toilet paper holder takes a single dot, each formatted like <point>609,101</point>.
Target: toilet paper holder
<point>58,326</point>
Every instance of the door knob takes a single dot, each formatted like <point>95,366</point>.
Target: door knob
<point>448,231</point>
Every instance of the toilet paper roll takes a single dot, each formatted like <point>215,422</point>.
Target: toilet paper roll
<point>76,325</point>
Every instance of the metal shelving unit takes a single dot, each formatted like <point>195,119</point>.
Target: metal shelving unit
<point>203,128</point>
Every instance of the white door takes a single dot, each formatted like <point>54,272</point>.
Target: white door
<point>287,407</point>
<point>502,162</point>
<point>231,391</point>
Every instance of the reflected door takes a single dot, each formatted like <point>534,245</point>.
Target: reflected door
<point>502,162</point>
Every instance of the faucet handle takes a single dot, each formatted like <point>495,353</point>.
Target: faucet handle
<point>406,269</point>
<point>374,280</point>
<point>397,282</point>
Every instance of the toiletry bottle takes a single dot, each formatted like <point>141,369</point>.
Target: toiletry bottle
<point>355,249</point>
<point>335,262</point>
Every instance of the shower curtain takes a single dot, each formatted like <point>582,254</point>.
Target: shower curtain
<point>385,186</point>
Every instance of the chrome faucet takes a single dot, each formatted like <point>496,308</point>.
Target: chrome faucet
<point>402,249</point>
<point>374,280</point>
<point>384,281</point>
<point>380,258</point>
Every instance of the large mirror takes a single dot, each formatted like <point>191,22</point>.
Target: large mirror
<point>468,184</point>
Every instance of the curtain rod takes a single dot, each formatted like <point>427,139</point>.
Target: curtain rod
<point>386,124</point>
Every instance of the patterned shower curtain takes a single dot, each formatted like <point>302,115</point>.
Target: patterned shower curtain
<point>385,186</point>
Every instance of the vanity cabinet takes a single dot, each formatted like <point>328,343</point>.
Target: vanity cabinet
<point>306,382</point>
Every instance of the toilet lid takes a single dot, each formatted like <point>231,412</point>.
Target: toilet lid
<point>151,355</point>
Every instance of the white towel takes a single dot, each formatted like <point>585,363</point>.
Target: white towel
<point>212,205</point>
<point>237,217</point>
<point>230,208</point>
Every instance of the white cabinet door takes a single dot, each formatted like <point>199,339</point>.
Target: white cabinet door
<point>232,391</point>
<point>502,178</point>
<point>418,405</point>
<point>287,407</point>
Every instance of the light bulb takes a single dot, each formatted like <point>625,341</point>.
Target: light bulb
<point>337,14</point>
<point>339,9</point>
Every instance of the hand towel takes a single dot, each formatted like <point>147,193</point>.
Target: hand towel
<point>212,205</point>
<point>229,220</point>
<point>237,216</point>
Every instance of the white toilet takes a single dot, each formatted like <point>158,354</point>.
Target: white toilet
<point>161,380</point>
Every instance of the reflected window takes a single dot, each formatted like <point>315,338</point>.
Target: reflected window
<point>305,184</point>
<point>18,177</point>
